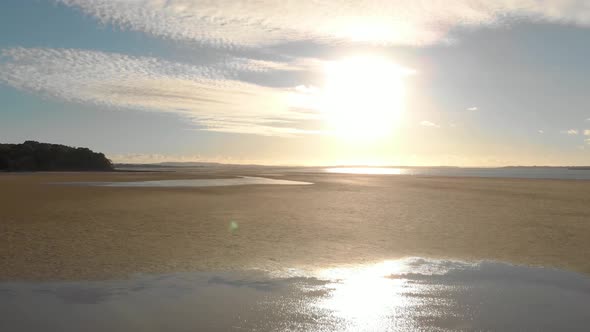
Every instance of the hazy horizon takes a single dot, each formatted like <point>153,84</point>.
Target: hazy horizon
<point>188,164</point>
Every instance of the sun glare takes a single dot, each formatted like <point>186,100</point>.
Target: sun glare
<point>366,297</point>
<point>363,97</point>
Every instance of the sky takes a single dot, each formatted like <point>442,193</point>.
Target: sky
<point>367,82</point>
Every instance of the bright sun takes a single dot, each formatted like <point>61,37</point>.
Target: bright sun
<point>363,97</point>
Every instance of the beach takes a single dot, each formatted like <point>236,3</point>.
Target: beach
<point>52,231</point>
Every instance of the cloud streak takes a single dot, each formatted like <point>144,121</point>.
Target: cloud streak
<point>208,94</point>
<point>429,124</point>
<point>226,23</point>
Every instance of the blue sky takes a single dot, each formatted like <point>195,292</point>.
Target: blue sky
<point>491,83</point>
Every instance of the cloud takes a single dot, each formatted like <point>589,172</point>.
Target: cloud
<point>429,124</point>
<point>571,132</point>
<point>264,66</point>
<point>541,131</point>
<point>472,108</point>
<point>587,132</point>
<point>208,94</point>
<point>227,23</point>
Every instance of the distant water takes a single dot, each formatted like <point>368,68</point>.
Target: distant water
<point>406,295</point>
<point>240,181</point>
<point>504,172</point>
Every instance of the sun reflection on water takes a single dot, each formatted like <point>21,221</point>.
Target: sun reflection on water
<point>367,298</point>
<point>368,170</point>
<point>411,294</point>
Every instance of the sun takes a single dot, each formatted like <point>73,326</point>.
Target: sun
<point>363,97</point>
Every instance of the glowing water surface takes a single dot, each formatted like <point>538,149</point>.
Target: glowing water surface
<point>563,173</point>
<point>368,170</point>
<point>405,295</point>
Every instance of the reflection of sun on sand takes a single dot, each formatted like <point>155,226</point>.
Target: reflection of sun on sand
<point>64,232</point>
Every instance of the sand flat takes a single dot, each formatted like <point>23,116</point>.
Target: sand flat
<point>53,232</point>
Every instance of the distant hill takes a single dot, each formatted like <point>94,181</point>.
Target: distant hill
<point>167,165</point>
<point>35,156</point>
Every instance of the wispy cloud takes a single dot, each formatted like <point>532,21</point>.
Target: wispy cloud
<point>472,108</point>
<point>208,94</point>
<point>249,22</point>
<point>429,124</point>
<point>571,132</point>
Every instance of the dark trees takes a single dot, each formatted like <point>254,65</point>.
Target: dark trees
<point>35,156</point>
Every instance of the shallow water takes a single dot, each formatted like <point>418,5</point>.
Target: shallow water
<point>405,295</point>
<point>563,173</point>
<point>240,181</point>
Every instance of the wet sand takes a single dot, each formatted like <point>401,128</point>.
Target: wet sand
<point>55,232</point>
<point>412,294</point>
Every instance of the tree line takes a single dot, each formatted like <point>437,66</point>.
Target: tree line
<point>35,156</point>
